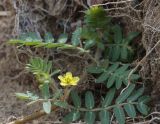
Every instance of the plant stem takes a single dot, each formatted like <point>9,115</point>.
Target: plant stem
<point>38,114</point>
<point>100,109</point>
<point>33,116</point>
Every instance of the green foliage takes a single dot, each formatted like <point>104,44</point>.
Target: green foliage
<point>109,98</point>
<point>72,116</point>
<point>48,38</point>
<point>63,38</point>
<point>125,104</point>
<point>76,36</point>
<point>119,114</point>
<point>45,90</point>
<point>76,99</point>
<point>32,39</point>
<point>89,100</point>
<point>27,96</point>
<point>90,117</point>
<point>39,66</point>
<point>90,34</point>
<point>62,104</point>
<point>120,49</point>
<point>98,36</point>
<point>47,107</point>
<point>41,69</point>
<point>115,74</point>
<point>104,117</point>
<point>95,17</point>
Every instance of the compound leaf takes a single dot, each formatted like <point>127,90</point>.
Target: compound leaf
<point>125,94</point>
<point>135,95</point>
<point>72,116</point>
<point>119,114</point>
<point>89,117</point>
<point>63,38</point>
<point>76,36</point>
<point>76,99</point>
<point>95,69</point>
<point>109,97</point>
<point>129,108</point>
<point>102,77</point>
<point>48,37</point>
<point>104,117</point>
<point>89,100</point>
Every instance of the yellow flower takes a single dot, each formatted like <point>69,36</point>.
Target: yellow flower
<point>67,79</point>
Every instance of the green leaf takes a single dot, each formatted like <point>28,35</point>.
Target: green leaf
<point>131,36</point>
<point>22,37</point>
<point>142,108</point>
<point>104,63</point>
<point>63,38</point>
<point>22,96</point>
<point>135,95</point>
<point>144,99</point>
<point>129,108</point>
<point>125,94</point>
<point>62,104</point>
<point>55,72</point>
<point>118,82</point>
<point>104,117</point>
<point>75,98</point>
<point>89,44</point>
<point>89,100</point>
<point>57,94</point>
<point>100,45</point>
<point>117,34</point>
<point>95,17</point>
<point>47,107</point>
<point>122,69</point>
<point>111,81</point>
<point>31,37</point>
<point>124,53</point>
<point>48,37</point>
<point>89,117</point>
<point>102,77</point>
<point>39,66</point>
<point>134,77</point>
<point>45,90</point>
<point>32,96</point>
<point>119,114</point>
<point>116,53</point>
<point>76,36</point>
<point>113,67</point>
<point>72,116</point>
<point>109,97</point>
<point>95,69</point>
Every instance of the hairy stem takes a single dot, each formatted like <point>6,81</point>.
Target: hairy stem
<point>103,108</point>
<point>33,116</point>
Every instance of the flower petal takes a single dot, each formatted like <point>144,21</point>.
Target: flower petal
<point>61,78</point>
<point>63,84</point>
<point>68,75</point>
<point>74,81</point>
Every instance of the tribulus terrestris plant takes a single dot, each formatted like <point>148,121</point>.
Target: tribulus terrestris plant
<point>111,54</point>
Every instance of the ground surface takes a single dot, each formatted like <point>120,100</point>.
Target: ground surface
<point>12,80</point>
